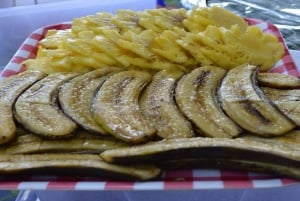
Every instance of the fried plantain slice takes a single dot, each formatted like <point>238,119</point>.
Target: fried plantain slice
<point>37,110</point>
<point>10,89</point>
<point>116,107</point>
<point>278,80</point>
<point>73,164</point>
<point>76,97</point>
<point>245,103</point>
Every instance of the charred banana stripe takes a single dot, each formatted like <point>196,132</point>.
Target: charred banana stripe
<point>196,96</point>
<point>10,89</point>
<point>76,97</point>
<point>157,102</point>
<point>116,107</point>
<point>287,101</point>
<point>37,110</point>
<point>247,105</point>
<point>73,164</point>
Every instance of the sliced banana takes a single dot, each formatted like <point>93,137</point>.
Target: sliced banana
<point>76,97</point>
<point>196,96</point>
<point>157,102</point>
<point>10,89</point>
<point>248,106</point>
<point>287,101</point>
<point>117,110</point>
<point>37,110</point>
<point>278,80</point>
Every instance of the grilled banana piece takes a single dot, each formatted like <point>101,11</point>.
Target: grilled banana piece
<point>10,89</point>
<point>196,96</point>
<point>116,107</point>
<point>286,100</point>
<point>81,142</point>
<point>247,105</point>
<point>76,97</point>
<point>201,148</point>
<point>278,80</point>
<point>157,103</point>
<point>37,110</point>
<point>73,164</point>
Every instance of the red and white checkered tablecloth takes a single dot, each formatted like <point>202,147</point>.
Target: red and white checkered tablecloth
<point>175,179</point>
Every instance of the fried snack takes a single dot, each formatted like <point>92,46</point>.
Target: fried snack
<point>157,39</point>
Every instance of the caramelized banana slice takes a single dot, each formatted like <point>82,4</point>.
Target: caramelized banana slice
<point>200,148</point>
<point>76,97</point>
<point>36,109</point>
<point>10,89</point>
<point>73,164</point>
<point>116,106</point>
<point>157,102</point>
<point>278,80</point>
<point>248,106</point>
<point>81,142</point>
<point>196,96</point>
<point>287,101</point>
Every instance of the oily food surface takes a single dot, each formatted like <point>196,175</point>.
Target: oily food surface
<point>157,39</point>
<point>154,121</point>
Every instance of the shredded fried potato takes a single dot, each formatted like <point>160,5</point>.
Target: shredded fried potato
<point>156,39</point>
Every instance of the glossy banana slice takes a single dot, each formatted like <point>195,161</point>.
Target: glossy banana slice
<point>116,106</point>
<point>36,109</point>
<point>286,100</point>
<point>81,142</point>
<point>196,96</point>
<point>10,89</point>
<point>76,97</point>
<point>74,165</point>
<point>248,106</point>
<point>278,80</point>
<point>157,102</point>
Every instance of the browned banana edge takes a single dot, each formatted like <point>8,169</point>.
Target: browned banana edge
<point>245,149</point>
<point>73,164</point>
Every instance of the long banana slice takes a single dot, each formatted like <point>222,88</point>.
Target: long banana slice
<point>200,148</point>
<point>196,96</point>
<point>246,104</point>
<point>116,106</point>
<point>73,164</point>
<point>10,89</point>
<point>76,97</point>
<point>157,102</point>
<point>278,80</point>
<point>287,101</point>
<point>36,109</point>
<point>81,142</point>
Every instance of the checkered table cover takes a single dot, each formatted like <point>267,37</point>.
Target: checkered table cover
<point>170,179</point>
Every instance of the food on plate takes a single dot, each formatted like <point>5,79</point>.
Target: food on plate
<point>279,155</point>
<point>37,110</point>
<point>158,104</point>
<point>245,103</point>
<point>287,101</point>
<point>196,97</point>
<point>73,164</point>
<point>10,89</point>
<point>81,142</point>
<point>155,40</point>
<point>278,80</point>
<point>116,108</point>
<point>137,110</point>
<point>76,97</point>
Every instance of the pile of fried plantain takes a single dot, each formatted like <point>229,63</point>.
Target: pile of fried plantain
<point>131,124</point>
